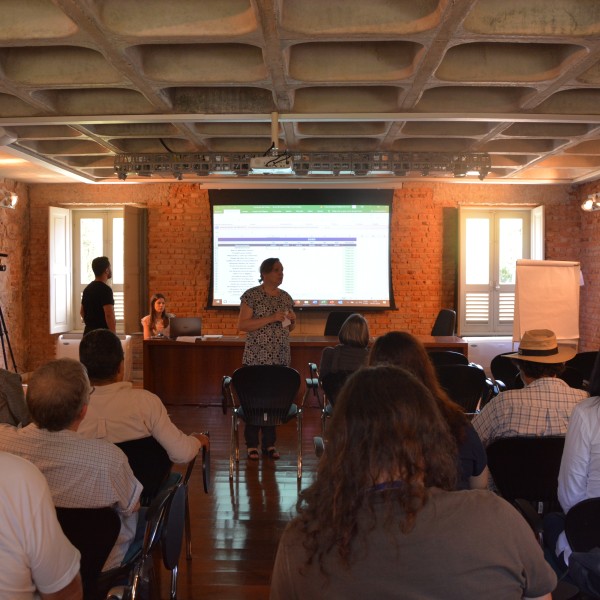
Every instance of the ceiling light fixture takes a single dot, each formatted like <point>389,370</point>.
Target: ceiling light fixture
<point>592,203</point>
<point>8,199</point>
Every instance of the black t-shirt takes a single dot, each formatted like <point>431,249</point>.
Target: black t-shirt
<point>95,297</point>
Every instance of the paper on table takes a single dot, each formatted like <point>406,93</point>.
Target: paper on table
<point>188,338</point>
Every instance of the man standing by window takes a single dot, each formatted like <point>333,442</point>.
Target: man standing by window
<point>97,301</point>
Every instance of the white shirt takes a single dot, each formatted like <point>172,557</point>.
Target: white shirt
<point>81,474</point>
<point>119,413</point>
<point>579,476</point>
<point>34,552</point>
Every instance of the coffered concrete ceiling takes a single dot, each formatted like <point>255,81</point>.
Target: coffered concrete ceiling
<point>84,80</point>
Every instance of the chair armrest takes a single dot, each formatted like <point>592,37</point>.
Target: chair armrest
<point>532,517</point>
<point>319,446</point>
<point>226,394</point>
<point>501,385</point>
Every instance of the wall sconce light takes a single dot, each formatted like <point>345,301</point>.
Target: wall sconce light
<point>8,199</point>
<point>592,203</point>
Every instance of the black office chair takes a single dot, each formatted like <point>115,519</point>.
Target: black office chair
<point>573,378</point>
<point>582,525</point>
<point>526,469</point>
<point>93,531</point>
<point>326,388</point>
<point>441,358</point>
<point>506,372</point>
<point>262,395</point>
<point>335,320</point>
<point>466,385</point>
<point>584,363</point>
<point>582,528</point>
<point>445,322</point>
<point>167,507</point>
<point>150,464</point>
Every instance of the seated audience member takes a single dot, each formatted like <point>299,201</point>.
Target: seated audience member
<point>381,521</point>
<point>579,476</point>
<point>351,353</point>
<point>80,473</point>
<point>405,350</point>
<point>544,405</point>
<point>35,555</point>
<point>157,322</point>
<point>117,412</point>
<point>13,409</point>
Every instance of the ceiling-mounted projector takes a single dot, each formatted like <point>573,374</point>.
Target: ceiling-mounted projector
<point>271,165</point>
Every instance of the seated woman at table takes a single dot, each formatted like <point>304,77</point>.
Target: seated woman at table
<point>351,353</point>
<point>404,350</point>
<point>157,322</point>
<point>381,519</point>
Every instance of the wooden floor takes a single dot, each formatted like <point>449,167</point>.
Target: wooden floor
<point>237,525</point>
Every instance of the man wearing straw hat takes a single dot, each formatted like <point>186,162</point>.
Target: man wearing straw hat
<point>544,405</point>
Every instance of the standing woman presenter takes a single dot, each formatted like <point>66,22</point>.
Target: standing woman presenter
<point>267,316</point>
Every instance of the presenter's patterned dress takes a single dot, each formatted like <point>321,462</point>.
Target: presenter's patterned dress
<point>270,344</point>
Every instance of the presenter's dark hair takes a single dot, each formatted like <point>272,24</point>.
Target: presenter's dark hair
<point>101,353</point>
<point>266,266</point>
<point>100,264</point>
<point>154,315</point>
<point>386,433</point>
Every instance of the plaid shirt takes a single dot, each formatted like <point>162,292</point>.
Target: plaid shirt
<point>81,474</point>
<point>539,409</point>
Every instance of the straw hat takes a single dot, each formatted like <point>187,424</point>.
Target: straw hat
<point>540,345</point>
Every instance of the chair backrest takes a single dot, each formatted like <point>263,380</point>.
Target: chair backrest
<point>445,322</point>
<point>93,531</point>
<point>526,467</point>
<point>584,363</point>
<point>573,377</point>
<point>171,536</point>
<point>332,383</point>
<point>265,392</point>
<point>465,384</point>
<point>506,371</point>
<point>150,464</point>
<point>447,357</point>
<point>335,320</point>
<point>582,525</point>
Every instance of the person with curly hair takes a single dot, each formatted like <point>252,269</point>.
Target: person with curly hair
<point>381,519</point>
<point>404,350</point>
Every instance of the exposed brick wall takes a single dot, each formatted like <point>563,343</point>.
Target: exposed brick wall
<point>14,228</point>
<point>424,248</point>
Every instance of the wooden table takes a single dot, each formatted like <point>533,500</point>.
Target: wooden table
<point>191,373</point>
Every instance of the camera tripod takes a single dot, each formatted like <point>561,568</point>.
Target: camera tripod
<point>4,334</point>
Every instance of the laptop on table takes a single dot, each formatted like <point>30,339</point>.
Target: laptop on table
<point>185,326</point>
